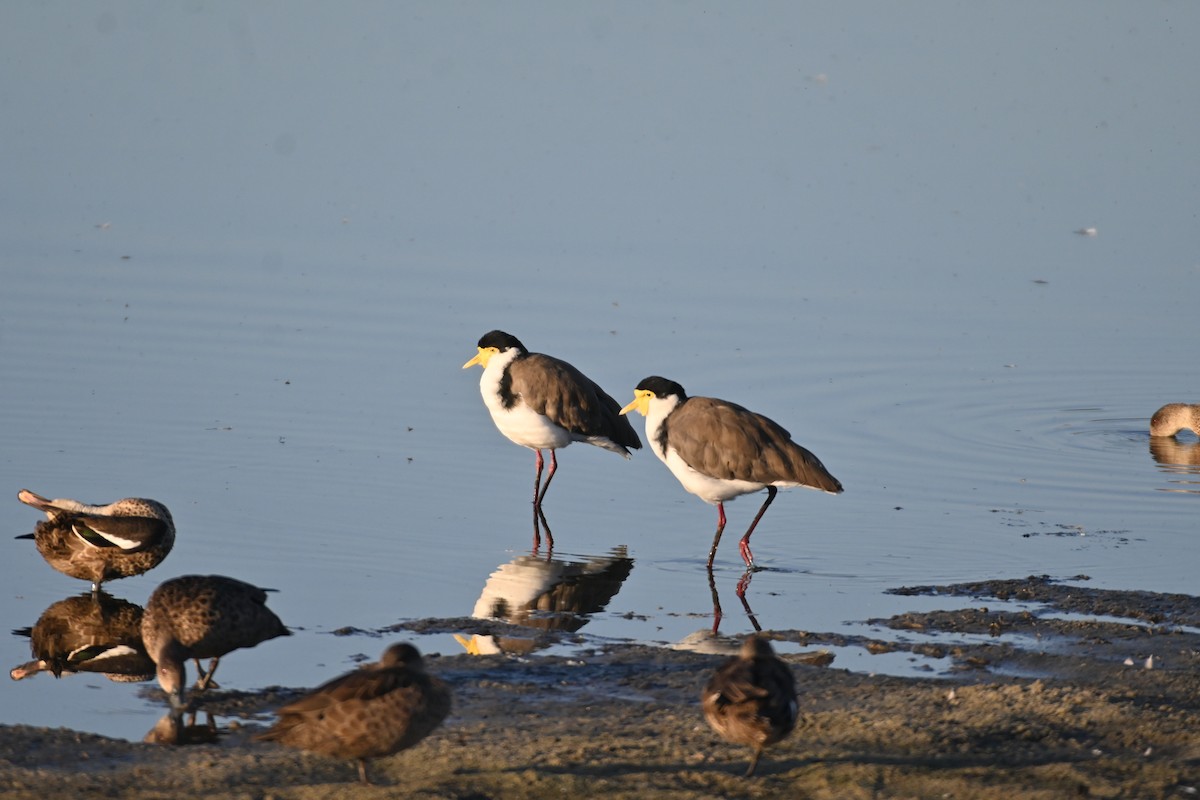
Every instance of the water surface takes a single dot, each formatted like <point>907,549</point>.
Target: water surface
<point>248,249</point>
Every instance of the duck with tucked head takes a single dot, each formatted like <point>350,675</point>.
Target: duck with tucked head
<point>1175,417</point>
<point>370,712</point>
<point>100,543</point>
<point>751,699</point>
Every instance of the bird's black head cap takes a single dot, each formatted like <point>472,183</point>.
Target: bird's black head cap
<point>501,341</point>
<point>662,387</point>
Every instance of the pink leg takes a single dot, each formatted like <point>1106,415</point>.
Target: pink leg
<point>712,553</point>
<point>744,545</point>
<point>549,476</point>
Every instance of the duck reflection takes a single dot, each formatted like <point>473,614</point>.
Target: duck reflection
<point>92,632</point>
<point>177,728</point>
<point>547,594</point>
<point>1178,458</point>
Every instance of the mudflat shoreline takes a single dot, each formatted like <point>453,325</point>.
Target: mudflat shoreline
<point>1114,712</point>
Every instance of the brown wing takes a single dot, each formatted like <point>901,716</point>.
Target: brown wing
<point>778,705</point>
<point>129,534</point>
<point>212,615</point>
<point>734,683</point>
<point>751,701</point>
<point>570,398</point>
<point>724,440</point>
<point>731,703</point>
<point>365,684</point>
<point>363,714</point>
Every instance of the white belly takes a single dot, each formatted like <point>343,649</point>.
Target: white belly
<point>708,489</point>
<point>520,424</point>
<point>528,429</point>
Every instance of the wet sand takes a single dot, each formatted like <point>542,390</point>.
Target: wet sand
<point>1049,707</point>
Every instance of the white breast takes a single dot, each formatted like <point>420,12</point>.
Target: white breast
<point>710,490</point>
<point>520,424</point>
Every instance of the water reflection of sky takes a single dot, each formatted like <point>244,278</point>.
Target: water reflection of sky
<point>247,249</point>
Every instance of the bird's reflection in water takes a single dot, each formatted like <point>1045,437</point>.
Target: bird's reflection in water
<point>539,523</point>
<point>742,585</point>
<point>546,594</point>
<point>178,728</point>
<point>92,632</point>
<point>1179,459</point>
<point>710,640</point>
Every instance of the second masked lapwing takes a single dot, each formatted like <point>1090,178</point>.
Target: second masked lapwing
<point>719,450</point>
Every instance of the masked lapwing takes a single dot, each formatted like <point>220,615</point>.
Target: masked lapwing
<point>719,450</point>
<point>751,699</point>
<point>101,543</point>
<point>543,403</point>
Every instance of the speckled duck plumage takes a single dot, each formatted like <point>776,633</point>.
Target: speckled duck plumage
<point>101,543</point>
<point>203,616</point>
<point>93,632</point>
<point>751,699</point>
<point>1175,417</point>
<point>371,712</point>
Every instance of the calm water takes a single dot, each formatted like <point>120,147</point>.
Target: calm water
<point>248,250</point>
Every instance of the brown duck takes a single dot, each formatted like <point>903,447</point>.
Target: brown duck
<point>203,616</point>
<point>101,543</point>
<point>371,712</point>
<point>1175,417</point>
<point>751,699</point>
